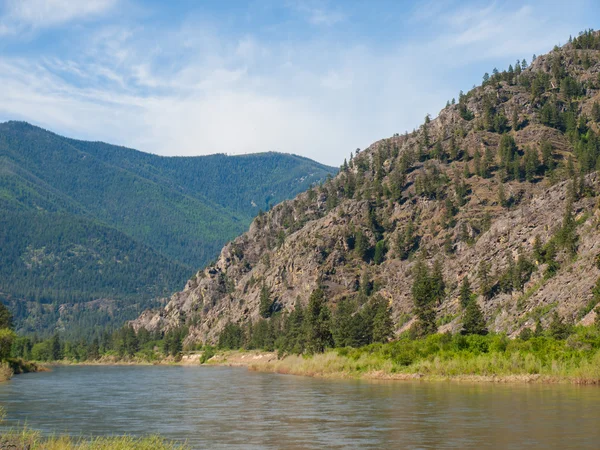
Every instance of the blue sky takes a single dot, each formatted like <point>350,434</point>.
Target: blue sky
<point>316,78</point>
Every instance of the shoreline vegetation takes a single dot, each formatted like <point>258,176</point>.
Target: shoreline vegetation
<point>440,357</point>
<point>26,438</point>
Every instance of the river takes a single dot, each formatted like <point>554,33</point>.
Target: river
<point>222,407</point>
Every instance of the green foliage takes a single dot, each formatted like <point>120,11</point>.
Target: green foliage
<point>6,319</point>
<point>7,338</point>
<point>406,240</point>
<point>465,294</point>
<point>266,304</point>
<point>317,323</point>
<point>473,320</point>
<point>380,251</point>
<point>558,329</point>
<point>172,342</point>
<point>232,337</point>
<point>362,246</point>
<point>427,292</point>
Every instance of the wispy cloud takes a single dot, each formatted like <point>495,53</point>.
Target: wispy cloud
<point>318,12</point>
<point>32,14</point>
<point>191,87</point>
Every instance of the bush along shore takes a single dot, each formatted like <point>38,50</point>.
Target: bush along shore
<point>492,358</point>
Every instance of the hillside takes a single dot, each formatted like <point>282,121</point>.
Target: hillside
<point>495,198</point>
<point>83,221</point>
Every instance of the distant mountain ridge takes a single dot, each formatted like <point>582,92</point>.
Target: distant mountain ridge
<point>102,210</point>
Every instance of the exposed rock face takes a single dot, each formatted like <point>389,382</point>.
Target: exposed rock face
<point>311,241</point>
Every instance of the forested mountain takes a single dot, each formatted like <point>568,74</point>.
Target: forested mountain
<point>83,221</point>
<point>486,217</point>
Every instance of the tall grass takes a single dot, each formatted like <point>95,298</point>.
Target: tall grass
<point>32,440</point>
<point>26,438</point>
<point>493,357</point>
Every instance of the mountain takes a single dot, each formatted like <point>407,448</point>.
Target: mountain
<point>88,221</point>
<point>497,196</point>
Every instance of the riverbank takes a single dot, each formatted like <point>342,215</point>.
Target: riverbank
<point>16,366</point>
<point>491,358</point>
<point>494,360</point>
<point>361,364</point>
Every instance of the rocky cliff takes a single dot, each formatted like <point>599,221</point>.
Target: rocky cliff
<point>500,187</point>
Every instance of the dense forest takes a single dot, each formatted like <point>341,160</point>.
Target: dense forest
<point>83,222</point>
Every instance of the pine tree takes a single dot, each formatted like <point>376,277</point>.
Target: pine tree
<point>341,327</point>
<point>6,319</point>
<point>424,300</point>
<point>483,273</point>
<point>317,323</point>
<point>488,162</point>
<point>532,164</point>
<point>265,307</point>
<point>465,293</point>
<point>380,250</point>
<point>547,156</point>
<point>56,348</point>
<point>361,245</point>
<point>473,320</point>
<point>558,329</point>
<point>567,235</point>
<point>515,120</point>
<point>437,282</point>
<point>383,326</point>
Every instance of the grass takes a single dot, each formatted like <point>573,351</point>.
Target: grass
<point>26,438</point>
<point>33,440</point>
<point>484,358</point>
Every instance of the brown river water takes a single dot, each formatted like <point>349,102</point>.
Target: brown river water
<point>223,407</point>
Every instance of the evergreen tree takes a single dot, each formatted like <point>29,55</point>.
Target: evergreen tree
<point>342,323</point>
<point>532,164</point>
<point>317,323</point>
<point>424,300</point>
<point>438,284</point>
<point>266,304</point>
<point>362,246</point>
<point>383,326</point>
<point>380,250</point>
<point>465,293</point>
<point>558,329</point>
<point>547,156</point>
<point>473,320</point>
<point>6,319</point>
<point>485,282</point>
<point>56,349</point>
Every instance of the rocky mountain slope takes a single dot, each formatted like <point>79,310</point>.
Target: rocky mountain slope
<point>499,189</point>
<point>87,221</point>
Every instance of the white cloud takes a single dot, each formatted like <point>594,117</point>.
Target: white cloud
<point>23,14</point>
<point>317,13</point>
<point>192,90</point>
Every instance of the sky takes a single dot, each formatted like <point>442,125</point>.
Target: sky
<point>314,78</point>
